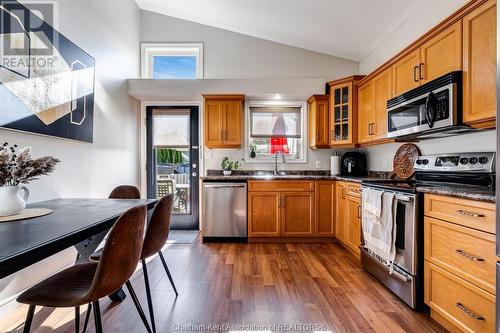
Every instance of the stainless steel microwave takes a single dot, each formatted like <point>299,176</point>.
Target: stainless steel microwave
<point>431,110</point>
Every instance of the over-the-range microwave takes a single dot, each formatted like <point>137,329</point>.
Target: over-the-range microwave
<point>429,111</point>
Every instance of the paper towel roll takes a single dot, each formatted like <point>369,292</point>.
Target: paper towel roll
<point>335,165</point>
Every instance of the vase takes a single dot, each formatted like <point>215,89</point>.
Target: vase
<point>11,201</point>
<point>227,172</point>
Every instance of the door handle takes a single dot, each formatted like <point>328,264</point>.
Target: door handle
<point>420,71</point>
<point>469,312</point>
<point>415,74</point>
<point>468,255</point>
<point>466,213</point>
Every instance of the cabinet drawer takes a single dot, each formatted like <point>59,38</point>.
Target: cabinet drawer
<point>470,213</point>
<point>281,185</point>
<point>464,305</point>
<point>353,190</point>
<point>468,253</point>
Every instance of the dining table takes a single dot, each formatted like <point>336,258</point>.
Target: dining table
<point>79,222</point>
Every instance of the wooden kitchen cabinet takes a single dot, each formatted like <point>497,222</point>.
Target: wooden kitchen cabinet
<point>319,122</point>
<point>281,208</point>
<point>441,54</point>
<point>479,66</point>
<point>298,212</point>
<point>343,112</point>
<point>353,234</point>
<point>264,214</point>
<point>223,121</point>
<point>341,213</point>
<point>365,112</point>
<point>325,208</point>
<point>372,107</point>
<point>348,221</point>
<point>436,57</point>
<point>460,262</point>
<point>405,72</point>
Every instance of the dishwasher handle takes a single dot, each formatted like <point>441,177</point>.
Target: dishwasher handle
<point>225,186</point>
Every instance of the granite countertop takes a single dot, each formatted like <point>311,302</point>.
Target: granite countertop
<point>479,193</point>
<point>216,175</point>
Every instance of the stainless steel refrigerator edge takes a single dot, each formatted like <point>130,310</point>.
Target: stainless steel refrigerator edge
<point>497,179</point>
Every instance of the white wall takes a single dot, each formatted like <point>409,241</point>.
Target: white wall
<point>110,31</point>
<point>233,55</point>
<point>430,14</point>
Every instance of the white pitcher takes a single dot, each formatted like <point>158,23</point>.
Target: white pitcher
<point>11,202</point>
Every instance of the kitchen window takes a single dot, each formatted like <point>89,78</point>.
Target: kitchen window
<point>273,127</point>
<point>172,61</point>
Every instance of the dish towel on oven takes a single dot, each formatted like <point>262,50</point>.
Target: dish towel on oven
<point>379,232</point>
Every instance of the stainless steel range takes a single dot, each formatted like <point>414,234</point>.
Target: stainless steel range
<point>470,170</point>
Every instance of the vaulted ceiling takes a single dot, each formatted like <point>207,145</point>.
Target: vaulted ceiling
<point>344,28</point>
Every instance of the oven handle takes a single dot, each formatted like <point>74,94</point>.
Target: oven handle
<point>394,273</point>
<point>404,198</point>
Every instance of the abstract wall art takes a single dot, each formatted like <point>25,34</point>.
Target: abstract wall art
<point>46,81</point>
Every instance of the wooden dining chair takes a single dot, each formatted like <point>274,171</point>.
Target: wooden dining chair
<point>88,282</point>
<point>156,236</point>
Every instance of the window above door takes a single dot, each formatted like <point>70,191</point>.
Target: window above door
<point>172,61</point>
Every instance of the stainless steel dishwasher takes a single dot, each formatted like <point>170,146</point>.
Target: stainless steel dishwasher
<point>224,211</point>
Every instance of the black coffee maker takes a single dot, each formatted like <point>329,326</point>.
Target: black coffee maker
<point>353,164</point>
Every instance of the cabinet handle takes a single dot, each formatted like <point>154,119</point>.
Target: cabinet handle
<point>469,312</point>
<point>415,74</point>
<point>343,192</point>
<point>420,71</point>
<point>468,255</point>
<point>466,213</point>
<point>369,129</point>
<point>359,212</point>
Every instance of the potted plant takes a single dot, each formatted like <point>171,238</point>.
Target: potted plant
<point>18,167</point>
<point>228,166</point>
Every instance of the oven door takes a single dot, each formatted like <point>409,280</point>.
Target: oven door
<point>431,110</point>
<point>406,232</point>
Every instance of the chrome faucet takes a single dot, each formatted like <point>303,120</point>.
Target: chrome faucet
<point>283,160</point>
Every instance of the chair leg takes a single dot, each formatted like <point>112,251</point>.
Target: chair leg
<point>29,319</point>
<point>97,317</point>
<point>138,306</point>
<point>77,319</point>
<point>148,294</point>
<point>168,272</point>
<point>87,317</point>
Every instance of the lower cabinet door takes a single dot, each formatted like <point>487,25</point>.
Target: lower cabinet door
<point>354,224</point>
<point>325,208</point>
<point>264,214</point>
<point>341,213</point>
<point>298,210</point>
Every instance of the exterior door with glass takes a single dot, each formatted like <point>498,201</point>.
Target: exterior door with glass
<point>173,161</point>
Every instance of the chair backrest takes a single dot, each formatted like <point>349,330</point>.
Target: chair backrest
<point>125,192</point>
<point>158,227</point>
<point>120,255</point>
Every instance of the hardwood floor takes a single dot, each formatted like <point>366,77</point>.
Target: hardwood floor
<point>253,284</point>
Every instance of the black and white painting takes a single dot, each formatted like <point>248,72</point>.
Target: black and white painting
<point>46,81</point>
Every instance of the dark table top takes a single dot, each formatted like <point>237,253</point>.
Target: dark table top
<point>22,243</point>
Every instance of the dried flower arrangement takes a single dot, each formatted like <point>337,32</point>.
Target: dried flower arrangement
<point>18,167</point>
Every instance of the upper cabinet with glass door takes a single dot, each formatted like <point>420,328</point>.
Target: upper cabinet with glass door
<point>343,112</point>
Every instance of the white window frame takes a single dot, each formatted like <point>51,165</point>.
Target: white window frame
<point>303,118</point>
<point>150,50</point>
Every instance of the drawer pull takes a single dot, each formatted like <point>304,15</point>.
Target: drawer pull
<point>466,213</point>
<point>469,312</point>
<point>468,255</point>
